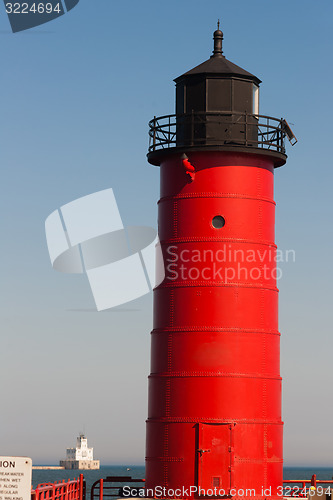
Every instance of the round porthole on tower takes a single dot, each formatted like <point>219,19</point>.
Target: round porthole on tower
<point>218,221</point>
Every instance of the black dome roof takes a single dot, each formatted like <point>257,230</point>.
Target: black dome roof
<point>218,65</point>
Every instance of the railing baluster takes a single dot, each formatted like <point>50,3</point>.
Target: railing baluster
<point>101,489</point>
<point>81,487</point>
<point>154,136</point>
<point>169,132</point>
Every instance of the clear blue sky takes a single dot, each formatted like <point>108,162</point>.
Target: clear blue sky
<point>76,96</point>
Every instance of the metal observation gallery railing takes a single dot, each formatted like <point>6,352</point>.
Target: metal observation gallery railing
<point>218,129</point>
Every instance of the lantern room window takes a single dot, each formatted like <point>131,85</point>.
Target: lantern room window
<point>255,99</point>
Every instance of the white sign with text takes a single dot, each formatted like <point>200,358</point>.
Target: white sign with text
<point>15,478</point>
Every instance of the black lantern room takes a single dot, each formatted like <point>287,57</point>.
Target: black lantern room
<point>217,107</point>
<point>214,87</point>
<point>217,85</point>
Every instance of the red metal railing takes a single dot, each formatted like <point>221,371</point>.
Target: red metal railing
<point>302,487</point>
<point>72,490</point>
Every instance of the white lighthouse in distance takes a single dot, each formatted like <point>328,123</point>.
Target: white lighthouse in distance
<point>80,457</point>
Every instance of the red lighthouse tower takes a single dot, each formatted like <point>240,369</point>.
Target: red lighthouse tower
<point>214,426</point>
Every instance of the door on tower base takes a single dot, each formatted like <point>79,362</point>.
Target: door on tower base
<point>215,459</point>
